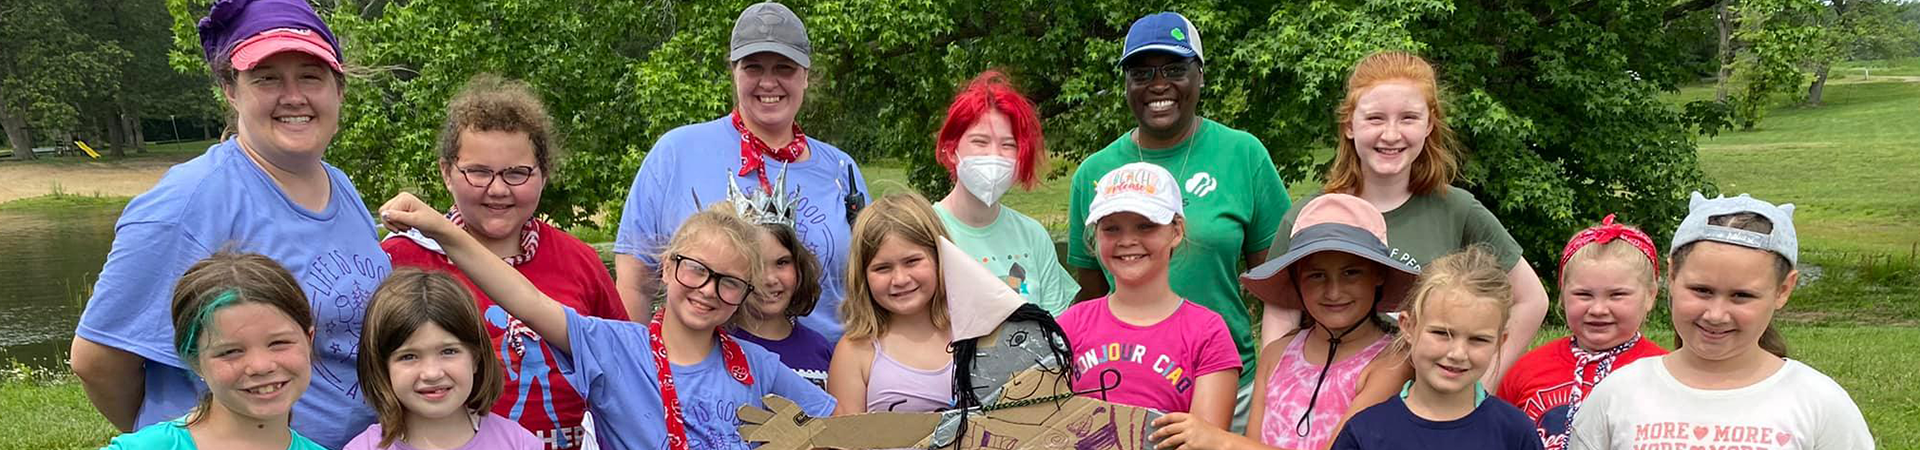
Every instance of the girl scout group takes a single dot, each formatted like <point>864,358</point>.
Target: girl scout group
<point>245,303</point>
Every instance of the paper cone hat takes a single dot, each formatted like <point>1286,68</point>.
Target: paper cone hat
<point>977,301</point>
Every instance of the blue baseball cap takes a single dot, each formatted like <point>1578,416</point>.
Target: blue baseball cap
<point>1167,32</point>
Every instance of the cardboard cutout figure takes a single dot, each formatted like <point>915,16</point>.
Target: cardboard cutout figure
<point>1013,390</point>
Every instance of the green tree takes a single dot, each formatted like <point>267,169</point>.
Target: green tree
<point>49,68</point>
<point>1558,101</point>
<point>1867,29</point>
<point>1778,37</point>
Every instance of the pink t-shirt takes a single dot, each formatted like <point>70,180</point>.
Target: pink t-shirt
<point>1158,363</point>
<point>1291,386</point>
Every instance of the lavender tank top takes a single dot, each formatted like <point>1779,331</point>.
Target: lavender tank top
<point>892,386</point>
<point>1291,386</point>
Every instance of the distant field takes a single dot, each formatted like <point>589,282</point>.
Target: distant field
<point>1849,166</point>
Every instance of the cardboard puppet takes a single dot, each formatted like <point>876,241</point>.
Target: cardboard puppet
<point>1011,380</point>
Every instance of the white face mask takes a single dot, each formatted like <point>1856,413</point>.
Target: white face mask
<point>987,177</point>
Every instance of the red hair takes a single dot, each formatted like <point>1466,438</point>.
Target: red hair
<point>1438,162</point>
<point>991,91</point>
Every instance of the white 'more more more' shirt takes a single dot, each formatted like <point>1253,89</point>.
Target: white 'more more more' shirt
<point>1643,407</point>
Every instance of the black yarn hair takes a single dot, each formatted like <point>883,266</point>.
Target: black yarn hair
<point>963,356</point>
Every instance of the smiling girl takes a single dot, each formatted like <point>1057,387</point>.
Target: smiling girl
<point>244,327</point>
<point>430,371</point>
<point>1397,152</point>
<point>1171,354</point>
<point>894,356</point>
<point>681,391</point>
<point>1609,276</point>
<point>1729,382</point>
<point>498,150</point>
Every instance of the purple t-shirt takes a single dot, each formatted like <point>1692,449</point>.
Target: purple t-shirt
<point>222,199</point>
<point>696,161</point>
<point>493,433</point>
<point>1158,363</point>
<point>804,350</point>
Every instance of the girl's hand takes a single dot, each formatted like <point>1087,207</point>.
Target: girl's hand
<point>1186,432</point>
<point>405,212</point>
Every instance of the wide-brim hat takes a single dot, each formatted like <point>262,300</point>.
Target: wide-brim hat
<point>1333,223</point>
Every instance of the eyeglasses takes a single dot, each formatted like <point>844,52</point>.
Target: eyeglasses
<point>1176,71</point>
<point>695,275</point>
<point>481,177</point>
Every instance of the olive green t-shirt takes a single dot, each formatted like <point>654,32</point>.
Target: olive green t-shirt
<point>1427,227</point>
<point>1233,200</point>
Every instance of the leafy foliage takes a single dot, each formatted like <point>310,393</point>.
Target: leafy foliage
<point>1557,100</point>
<point>49,64</point>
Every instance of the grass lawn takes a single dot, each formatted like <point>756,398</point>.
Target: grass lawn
<point>47,410</point>
<point>1849,166</point>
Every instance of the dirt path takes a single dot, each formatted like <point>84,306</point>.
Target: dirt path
<point>118,178</point>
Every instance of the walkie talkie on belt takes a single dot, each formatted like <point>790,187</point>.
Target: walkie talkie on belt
<point>855,199</point>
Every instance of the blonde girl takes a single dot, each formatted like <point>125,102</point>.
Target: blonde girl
<point>1728,383</point>
<point>894,356</point>
<point>243,326</point>
<point>1452,328</point>
<point>428,369</point>
<point>1169,353</point>
<point>681,392</point>
<point>1609,276</point>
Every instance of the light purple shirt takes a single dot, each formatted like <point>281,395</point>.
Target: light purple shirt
<point>492,433</point>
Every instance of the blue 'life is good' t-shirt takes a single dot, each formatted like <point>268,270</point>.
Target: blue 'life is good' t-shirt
<point>222,199</point>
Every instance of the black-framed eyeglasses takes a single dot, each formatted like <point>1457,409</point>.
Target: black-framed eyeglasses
<point>1175,71</point>
<point>482,177</point>
<point>695,275</point>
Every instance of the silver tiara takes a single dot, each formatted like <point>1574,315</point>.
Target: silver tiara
<point>760,207</point>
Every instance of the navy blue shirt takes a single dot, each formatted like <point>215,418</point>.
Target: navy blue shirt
<point>1390,425</point>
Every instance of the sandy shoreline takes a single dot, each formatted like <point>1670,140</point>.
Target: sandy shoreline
<point>124,178</point>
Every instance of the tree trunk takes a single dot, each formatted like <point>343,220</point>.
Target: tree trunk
<point>139,133</point>
<point>1819,85</point>
<point>17,133</point>
<point>116,135</point>
<point>1725,22</point>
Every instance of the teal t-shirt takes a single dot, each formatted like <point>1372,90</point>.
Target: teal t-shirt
<point>1234,200</point>
<point>1018,250</point>
<point>173,435</point>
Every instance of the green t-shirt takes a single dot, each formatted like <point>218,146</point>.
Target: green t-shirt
<point>1427,227</point>
<point>173,435</point>
<point>1233,198</point>
<point>1018,250</point>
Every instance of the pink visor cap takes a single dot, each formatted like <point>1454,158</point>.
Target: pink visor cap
<point>250,52</point>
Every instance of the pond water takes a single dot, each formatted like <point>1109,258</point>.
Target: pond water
<point>48,262</point>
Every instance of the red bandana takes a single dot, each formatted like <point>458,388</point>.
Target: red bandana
<point>753,151</point>
<point>529,237</point>
<point>1606,232</point>
<point>730,353</point>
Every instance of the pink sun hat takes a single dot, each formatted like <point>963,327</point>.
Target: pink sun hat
<point>250,52</point>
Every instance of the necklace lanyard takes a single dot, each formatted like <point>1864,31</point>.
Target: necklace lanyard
<point>1186,153</point>
<point>730,353</point>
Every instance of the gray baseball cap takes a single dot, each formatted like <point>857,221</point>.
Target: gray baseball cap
<point>1783,240</point>
<point>771,27</point>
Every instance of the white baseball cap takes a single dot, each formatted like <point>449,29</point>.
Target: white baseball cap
<point>1141,188</point>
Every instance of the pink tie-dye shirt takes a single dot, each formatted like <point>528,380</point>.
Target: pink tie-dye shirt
<point>1291,385</point>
